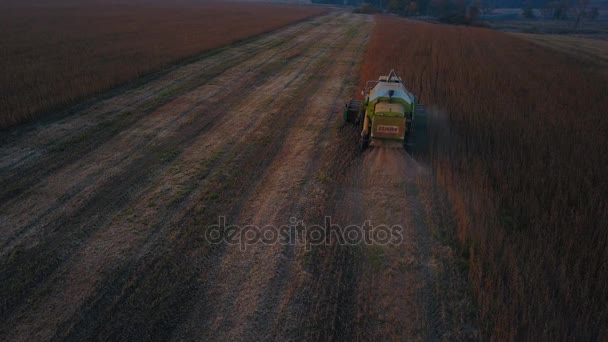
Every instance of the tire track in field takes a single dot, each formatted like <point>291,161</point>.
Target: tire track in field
<point>31,153</point>
<point>274,315</point>
<point>47,255</point>
<point>394,300</point>
<point>122,149</point>
<point>246,294</point>
<point>160,218</point>
<point>188,259</point>
<point>145,255</point>
<point>202,66</point>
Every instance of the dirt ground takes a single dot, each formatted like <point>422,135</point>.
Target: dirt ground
<point>402,291</point>
<point>105,208</point>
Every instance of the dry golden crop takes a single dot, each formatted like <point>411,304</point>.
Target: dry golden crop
<point>51,55</point>
<point>524,160</point>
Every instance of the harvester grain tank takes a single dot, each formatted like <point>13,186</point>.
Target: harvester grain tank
<point>386,113</point>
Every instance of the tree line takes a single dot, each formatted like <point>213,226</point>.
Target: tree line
<point>469,11</point>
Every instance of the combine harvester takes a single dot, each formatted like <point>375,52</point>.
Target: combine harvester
<point>386,114</point>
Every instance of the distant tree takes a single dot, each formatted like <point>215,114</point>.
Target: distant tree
<point>338,2</point>
<point>397,6</point>
<point>474,11</point>
<point>451,11</point>
<point>594,13</point>
<point>423,7</point>
<point>366,8</point>
<point>333,2</point>
<point>461,7</point>
<point>487,6</point>
<point>439,8</point>
<point>412,8</point>
<point>559,9</point>
<point>528,12</point>
<point>579,11</point>
<point>546,12</point>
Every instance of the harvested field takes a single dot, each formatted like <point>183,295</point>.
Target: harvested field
<point>119,193</point>
<point>53,55</point>
<point>523,153</point>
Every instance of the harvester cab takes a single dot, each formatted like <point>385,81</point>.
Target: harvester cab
<point>386,114</point>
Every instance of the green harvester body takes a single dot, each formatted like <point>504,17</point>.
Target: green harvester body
<point>386,113</point>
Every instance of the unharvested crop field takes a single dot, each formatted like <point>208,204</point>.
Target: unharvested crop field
<point>54,54</point>
<point>520,143</point>
<point>585,50</point>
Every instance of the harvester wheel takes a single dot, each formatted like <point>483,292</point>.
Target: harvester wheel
<point>351,111</point>
<point>364,140</point>
<point>408,141</point>
<point>364,143</point>
<point>359,119</point>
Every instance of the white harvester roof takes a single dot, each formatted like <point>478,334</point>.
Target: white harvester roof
<point>391,82</point>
